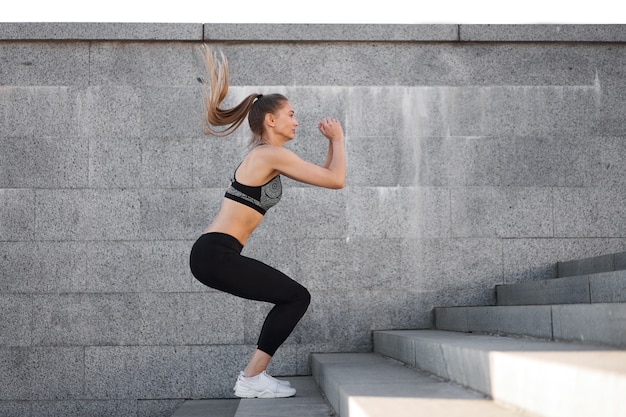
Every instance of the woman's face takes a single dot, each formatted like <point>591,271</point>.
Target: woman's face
<point>285,122</point>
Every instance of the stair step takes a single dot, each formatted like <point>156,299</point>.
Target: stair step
<point>369,385</point>
<point>592,265</point>
<point>203,408</point>
<point>308,402</point>
<point>550,379</point>
<point>601,324</point>
<point>604,287</point>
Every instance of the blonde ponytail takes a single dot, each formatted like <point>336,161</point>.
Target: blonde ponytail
<point>255,106</point>
<point>215,91</point>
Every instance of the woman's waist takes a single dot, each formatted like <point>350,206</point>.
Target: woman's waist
<point>223,241</point>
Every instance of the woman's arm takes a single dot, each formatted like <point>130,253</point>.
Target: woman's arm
<point>331,175</point>
<point>329,155</point>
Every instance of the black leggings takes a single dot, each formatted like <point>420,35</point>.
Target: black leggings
<point>216,261</point>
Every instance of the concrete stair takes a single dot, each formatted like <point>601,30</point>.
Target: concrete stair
<point>553,348</point>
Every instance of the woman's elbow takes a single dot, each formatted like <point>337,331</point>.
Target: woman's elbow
<point>339,184</point>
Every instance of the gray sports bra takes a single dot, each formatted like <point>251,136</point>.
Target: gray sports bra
<point>260,198</point>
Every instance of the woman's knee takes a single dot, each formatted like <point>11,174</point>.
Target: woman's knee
<point>304,298</point>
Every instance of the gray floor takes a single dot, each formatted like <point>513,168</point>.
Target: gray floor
<point>308,402</point>
<point>207,408</point>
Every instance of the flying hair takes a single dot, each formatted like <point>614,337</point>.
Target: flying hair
<point>255,106</point>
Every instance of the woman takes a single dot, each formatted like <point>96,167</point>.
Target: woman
<point>255,187</point>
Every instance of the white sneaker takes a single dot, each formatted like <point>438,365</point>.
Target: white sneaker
<point>262,386</point>
<point>280,381</point>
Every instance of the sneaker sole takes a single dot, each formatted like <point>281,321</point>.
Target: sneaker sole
<point>264,394</point>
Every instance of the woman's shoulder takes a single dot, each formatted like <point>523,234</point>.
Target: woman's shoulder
<point>271,153</point>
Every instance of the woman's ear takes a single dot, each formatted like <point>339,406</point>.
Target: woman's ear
<point>269,119</point>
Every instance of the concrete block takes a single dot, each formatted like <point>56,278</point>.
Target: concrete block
<point>115,162</point>
<point>16,365</point>
<point>52,373</point>
<point>194,319</point>
<point>327,32</point>
<point>398,212</point>
<point>612,107</point>
<point>15,408</point>
<point>32,267</point>
<point>608,287</point>
<point>585,266</point>
<point>610,154</point>
<point>620,261</point>
<point>553,291</point>
<point>168,214</point>
<point>38,112</point>
<point>268,65</point>
<point>57,373</point>
<point>156,266</point>
<point>141,64</point>
<point>371,264</point>
<point>133,162</point>
<point>87,214</point>
<point>520,161</point>
<point>368,106</point>
<point>85,408</point>
<point>534,321</point>
<point>501,212</point>
<point>17,316</point>
<point>313,213</point>
<point>475,111</point>
<point>17,214</point>
<point>215,408</point>
<point>43,63</point>
<point>110,111</point>
<point>160,408</point>
<point>442,264</point>
<point>599,324</point>
<point>375,162</point>
<point>214,369</point>
<point>488,64</point>
<point>44,162</point>
<point>166,163</point>
<point>137,319</point>
<point>588,212</point>
<point>101,31</point>
<point>542,32</point>
<point>106,272</point>
<point>86,319</point>
<point>147,372</point>
<point>397,345</point>
<point>326,264</point>
<point>344,65</point>
<point>451,318</point>
<point>168,112</point>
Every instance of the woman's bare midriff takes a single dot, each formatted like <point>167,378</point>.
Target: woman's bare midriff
<point>236,220</point>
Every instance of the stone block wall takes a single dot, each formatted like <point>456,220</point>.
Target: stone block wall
<point>477,155</point>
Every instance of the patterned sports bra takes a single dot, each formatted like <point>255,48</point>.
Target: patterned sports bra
<point>261,198</point>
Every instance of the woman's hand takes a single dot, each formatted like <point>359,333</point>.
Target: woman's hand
<point>331,128</point>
